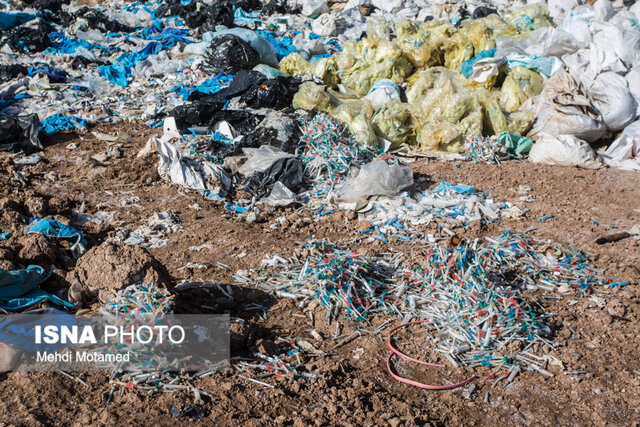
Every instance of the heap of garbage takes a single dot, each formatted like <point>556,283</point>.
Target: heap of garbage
<point>239,74</point>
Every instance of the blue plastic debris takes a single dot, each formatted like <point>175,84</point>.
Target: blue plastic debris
<point>282,46</point>
<point>53,228</point>
<point>242,18</point>
<point>467,66</point>
<point>445,187</point>
<point>10,20</point>
<point>57,123</point>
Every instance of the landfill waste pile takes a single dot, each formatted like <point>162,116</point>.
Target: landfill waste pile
<point>352,183</point>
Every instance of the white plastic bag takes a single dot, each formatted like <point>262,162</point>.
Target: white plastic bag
<point>563,150</point>
<point>545,41</point>
<point>326,25</point>
<point>260,159</point>
<point>625,43</point>
<point>388,6</point>
<point>564,109</point>
<point>375,179</point>
<point>613,99</point>
<point>383,92</point>
<point>577,22</point>
<point>559,8</point>
<point>314,8</point>
<point>281,195</point>
<point>624,152</point>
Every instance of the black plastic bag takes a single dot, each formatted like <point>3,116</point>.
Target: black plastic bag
<point>243,122</point>
<point>289,171</point>
<point>10,72</point>
<point>276,93</point>
<point>278,6</point>
<point>192,411</point>
<point>20,133</point>
<point>258,91</point>
<point>197,113</point>
<point>199,15</point>
<point>277,131</point>
<point>482,11</point>
<point>243,80</point>
<point>208,17</point>
<point>62,18</point>
<point>229,54</point>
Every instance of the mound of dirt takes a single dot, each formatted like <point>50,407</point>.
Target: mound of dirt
<point>114,266</point>
<point>40,250</point>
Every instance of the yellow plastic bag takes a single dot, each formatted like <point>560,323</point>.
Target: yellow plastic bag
<point>294,64</point>
<point>348,60</point>
<point>312,96</point>
<point>327,70</point>
<point>496,120</point>
<point>423,43</point>
<point>394,123</point>
<point>529,18</point>
<point>520,85</point>
<point>377,31</point>
<point>479,34</point>
<point>446,113</point>
<point>358,117</point>
<point>386,62</point>
<point>457,50</point>
<point>419,84</point>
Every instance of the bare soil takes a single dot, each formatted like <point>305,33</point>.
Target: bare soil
<point>355,388</point>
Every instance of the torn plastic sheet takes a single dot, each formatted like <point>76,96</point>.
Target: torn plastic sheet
<point>468,65</point>
<point>547,65</point>
<point>210,86</point>
<point>19,289</point>
<point>208,178</point>
<point>261,159</point>
<point>377,178</point>
<point>281,196</point>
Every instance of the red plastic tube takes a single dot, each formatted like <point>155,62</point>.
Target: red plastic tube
<point>397,352</point>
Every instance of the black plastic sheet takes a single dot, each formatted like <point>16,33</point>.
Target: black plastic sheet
<point>20,133</point>
<point>289,171</point>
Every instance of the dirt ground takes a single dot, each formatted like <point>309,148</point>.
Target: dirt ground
<point>355,388</point>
